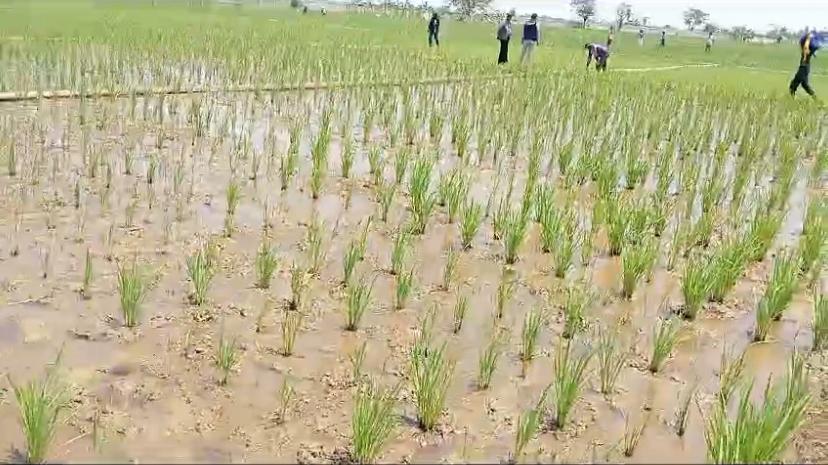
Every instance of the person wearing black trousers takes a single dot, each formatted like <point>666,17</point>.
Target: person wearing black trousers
<point>434,30</point>
<point>809,44</point>
<point>504,33</point>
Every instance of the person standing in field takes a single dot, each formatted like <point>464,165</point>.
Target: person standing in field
<point>708,44</point>
<point>663,42</point>
<point>434,30</point>
<point>610,36</point>
<point>600,53</point>
<point>504,33</point>
<point>809,43</point>
<point>641,37</point>
<point>531,39</point>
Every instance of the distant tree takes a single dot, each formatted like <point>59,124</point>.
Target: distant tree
<point>469,7</point>
<point>742,33</point>
<point>623,15</point>
<point>710,27</point>
<point>778,31</point>
<point>694,17</point>
<point>295,3</point>
<point>584,9</point>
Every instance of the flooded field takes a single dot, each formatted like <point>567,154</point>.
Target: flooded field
<point>117,182</point>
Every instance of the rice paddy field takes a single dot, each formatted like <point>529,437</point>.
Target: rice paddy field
<point>244,234</point>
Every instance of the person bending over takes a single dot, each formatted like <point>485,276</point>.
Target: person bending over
<point>598,52</point>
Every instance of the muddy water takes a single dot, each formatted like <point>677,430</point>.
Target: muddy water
<point>154,388</point>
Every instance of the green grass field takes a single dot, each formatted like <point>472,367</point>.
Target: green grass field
<point>121,30</point>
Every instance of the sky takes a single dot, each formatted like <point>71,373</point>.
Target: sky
<point>757,14</point>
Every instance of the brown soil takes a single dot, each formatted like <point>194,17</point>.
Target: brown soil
<point>155,387</point>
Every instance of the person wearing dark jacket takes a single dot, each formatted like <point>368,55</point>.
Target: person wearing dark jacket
<point>809,44</point>
<point>531,39</point>
<point>434,30</point>
<point>504,33</point>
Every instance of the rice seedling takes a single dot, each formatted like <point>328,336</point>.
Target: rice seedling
<point>677,243</point>
<point>375,163</point>
<point>731,375</point>
<point>528,424</point>
<point>701,232</point>
<point>812,244</point>
<point>500,219</point>
<point>357,360</point>
<point>632,435</point>
<point>514,235</point>
<point>617,219</point>
<point>288,165</point>
<point>505,290</point>
<point>200,271</point>
<point>316,247</point>
<point>233,197</point>
<point>319,157</point>
<point>358,297</point>
<point>758,433</point>
<point>373,421</point>
<point>11,160</point>
<point>286,395</point>
<point>40,403</point>
<point>820,322</point>
<point>298,287</point>
<point>461,307</point>
<point>570,376</point>
<point>266,263</point>
<point>346,161</point>
<point>450,268</point>
<point>457,196</point>
<point>405,283</point>
<point>665,337</point>
<point>636,262</point>
<point>470,221</point>
<point>611,359</point>
<point>132,288</point>
<point>349,261</point>
<point>385,197</point>
<point>727,266</point>
<point>86,287</point>
<point>578,298</point>
<point>487,363</point>
<point>152,168</point>
<point>430,376</point>
<point>399,252</point>
<point>815,214</point>
<point>695,287</point>
<point>683,412</point>
<point>533,322</point>
<point>401,162</point>
<point>291,323</point>
<point>425,333</point>
<point>762,230</point>
<point>227,358</point>
<point>782,283</point>
<point>422,199</point>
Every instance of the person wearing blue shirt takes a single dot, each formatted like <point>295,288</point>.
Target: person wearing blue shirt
<point>531,39</point>
<point>809,43</point>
